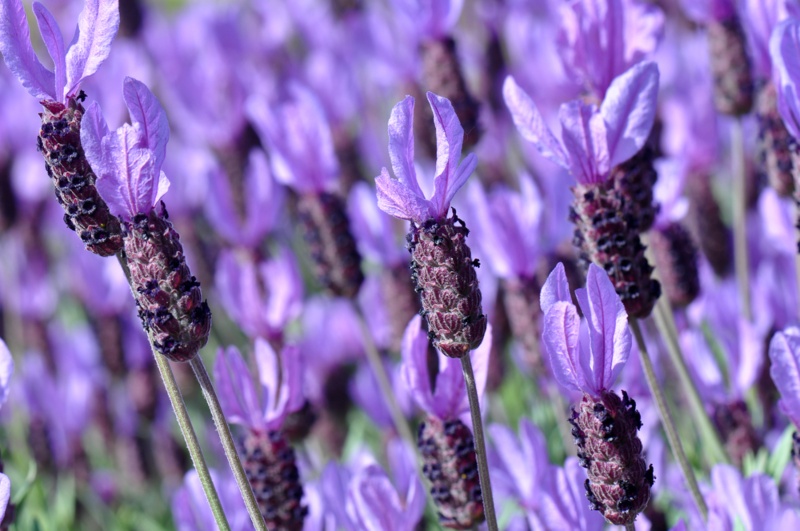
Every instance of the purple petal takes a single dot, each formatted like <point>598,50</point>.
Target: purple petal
<point>235,388</point>
<point>97,26</point>
<point>784,353</point>
<point>415,365</point>
<point>761,499</point>
<point>281,381</point>
<point>15,45</point>
<point>146,110</point>
<point>564,505</point>
<point>401,144</point>
<point>6,371</point>
<point>555,289</point>
<point>375,501</point>
<point>403,467</point>
<point>530,448</point>
<point>93,130</point>
<point>608,329</point>
<point>54,42</point>
<point>449,137</point>
<point>397,200</point>
<point>5,494</point>
<point>629,109</point>
<point>583,132</point>
<point>784,47</point>
<point>284,284</point>
<point>530,123</point>
<point>560,337</point>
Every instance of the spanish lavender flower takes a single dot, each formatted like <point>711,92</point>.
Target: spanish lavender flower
<point>605,426</point>
<point>303,159</point>
<point>269,459</point>
<point>444,440</point>
<point>562,504</point>
<point>593,142</point>
<point>128,163</point>
<point>59,138</point>
<point>441,262</point>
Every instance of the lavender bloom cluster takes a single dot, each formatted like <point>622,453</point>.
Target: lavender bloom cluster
<point>410,219</point>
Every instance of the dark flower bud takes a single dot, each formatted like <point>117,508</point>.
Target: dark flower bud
<point>605,432</point>
<point>298,424</point>
<point>86,212</point>
<point>402,302</point>
<point>706,225</point>
<point>735,425</point>
<point>675,256</point>
<point>633,181</point>
<point>270,466</point>
<point>775,144</point>
<point>521,299</point>
<point>444,274</point>
<point>730,66</point>
<point>450,464</point>
<point>326,229</point>
<point>168,297</point>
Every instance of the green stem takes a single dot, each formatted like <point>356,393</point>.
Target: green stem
<point>185,425</point>
<point>378,369</point>
<point>480,444</point>
<point>666,420</point>
<point>227,443</point>
<point>740,217</point>
<point>665,321</point>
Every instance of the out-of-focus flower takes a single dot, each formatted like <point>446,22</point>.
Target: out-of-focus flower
<point>563,506</point>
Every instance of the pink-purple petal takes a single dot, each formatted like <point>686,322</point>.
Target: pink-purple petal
<point>784,47</point>
<point>784,353</point>
<point>397,200</point>
<point>6,371</point>
<point>584,135</point>
<point>97,27</point>
<point>629,109</point>
<point>415,364</point>
<point>401,144</point>
<point>54,42</point>
<point>560,337</point>
<point>235,388</point>
<point>130,186</point>
<point>555,289</point>
<point>146,110</point>
<point>449,138</point>
<point>15,45</point>
<point>93,130</point>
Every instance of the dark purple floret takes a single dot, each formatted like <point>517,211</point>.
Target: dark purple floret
<point>675,256</point>
<point>730,66</point>
<point>521,300</point>
<point>706,225</point>
<point>775,144</point>
<point>633,181</point>
<point>735,426</point>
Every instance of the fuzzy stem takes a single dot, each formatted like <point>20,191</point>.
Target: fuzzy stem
<point>227,443</point>
<point>666,420</point>
<point>665,321</point>
<point>480,444</point>
<point>376,364</point>
<point>185,424</point>
<point>740,217</point>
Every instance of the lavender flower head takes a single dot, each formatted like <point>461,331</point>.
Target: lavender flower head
<point>587,358</point>
<point>128,164</point>
<point>441,262</point>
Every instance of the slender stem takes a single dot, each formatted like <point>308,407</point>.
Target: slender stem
<point>375,362</point>
<point>740,217</point>
<point>480,444</point>
<point>227,443</point>
<point>185,424</point>
<point>666,420</point>
<point>665,321</point>
<point>630,527</point>
<point>797,249</point>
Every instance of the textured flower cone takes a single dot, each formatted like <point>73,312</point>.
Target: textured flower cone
<point>521,299</point>
<point>109,335</point>
<point>269,463</point>
<point>234,158</point>
<point>441,74</point>
<point>501,333</point>
<point>496,71</point>
<point>326,229</point>
<point>675,256</point>
<point>735,425</point>
<point>706,225</point>
<point>449,463</point>
<point>298,424</point>
<point>85,211</point>
<point>8,201</point>
<point>168,297</point>
<point>775,144</point>
<point>143,385</point>
<point>444,273</point>
<point>633,181</point>
<point>609,448</point>
<point>402,302</point>
<point>730,67</point>
<point>604,236</point>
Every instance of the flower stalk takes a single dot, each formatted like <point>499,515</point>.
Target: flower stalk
<point>740,217</point>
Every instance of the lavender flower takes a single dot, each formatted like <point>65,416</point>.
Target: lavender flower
<point>444,440</point>
<point>59,138</point>
<point>441,263</point>
<point>128,163</point>
<point>605,426</point>
<point>593,142</point>
<point>269,459</point>
<point>562,507</point>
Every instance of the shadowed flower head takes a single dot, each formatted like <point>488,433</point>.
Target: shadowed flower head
<point>402,197</point>
<point>593,140</point>
<point>128,161</point>
<point>97,25</point>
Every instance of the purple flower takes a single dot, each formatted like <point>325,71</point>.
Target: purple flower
<point>192,512</point>
<point>280,386</point>
<point>97,26</point>
<point>377,240</point>
<point>761,17</point>
<point>433,19</point>
<point>752,503</point>
<point>593,140</point>
<point>587,362</point>
<point>402,197</point>
<point>128,161</point>
<point>299,139</point>
<point>784,48</point>
<point>784,353</point>
<point>564,504</point>
<point>6,371</point>
<point>448,399</point>
<point>600,40</point>
<point>367,394</point>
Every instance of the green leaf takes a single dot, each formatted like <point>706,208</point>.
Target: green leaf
<point>780,457</point>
